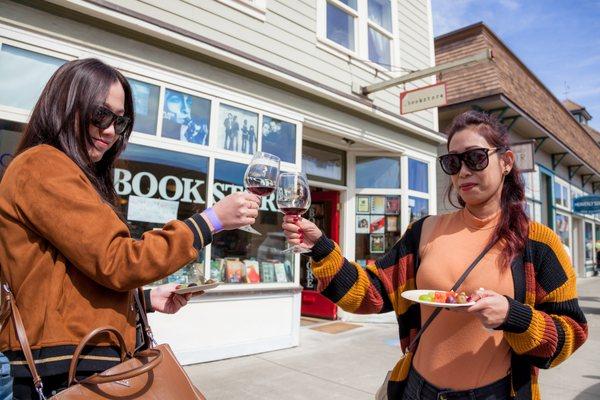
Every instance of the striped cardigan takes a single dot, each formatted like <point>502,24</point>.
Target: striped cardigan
<point>544,325</point>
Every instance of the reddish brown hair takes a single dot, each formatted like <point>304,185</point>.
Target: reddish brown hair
<point>513,228</point>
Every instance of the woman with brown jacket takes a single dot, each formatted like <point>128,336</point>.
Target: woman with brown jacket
<point>65,253</point>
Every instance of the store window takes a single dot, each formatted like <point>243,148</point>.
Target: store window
<point>362,27</point>
<point>237,129</point>
<point>23,75</point>
<point>377,226</point>
<point>563,227</point>
<point>145,99</point>
<point>562,197</point>
<point>418,176</point>
<point>10,135</point>
<point>156,186</point>
<point>240,257</point>
<point>588,238</point>
<point>378,172</point>
<point>324,163</point>
<point>533,210</point>
<point>532,184</point>
<point>186,117</point>
<point>418,207</point>
<point>279,138</point>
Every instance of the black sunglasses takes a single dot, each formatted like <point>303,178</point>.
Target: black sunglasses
<point>475,159</point>
<point>102,118</point>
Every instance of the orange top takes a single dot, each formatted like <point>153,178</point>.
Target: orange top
<point>456,351</point>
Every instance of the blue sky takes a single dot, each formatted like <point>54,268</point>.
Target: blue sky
<point>558,40</point>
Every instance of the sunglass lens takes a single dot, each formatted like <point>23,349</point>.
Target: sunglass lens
<point>102,118</point>
<point>450,163</point>
<point>121,125</point>
<point>476,159</point>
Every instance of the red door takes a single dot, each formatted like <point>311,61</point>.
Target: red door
<point>325,213</point>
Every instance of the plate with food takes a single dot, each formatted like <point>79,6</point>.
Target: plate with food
<point>439,298</point>
<point>195,287</point>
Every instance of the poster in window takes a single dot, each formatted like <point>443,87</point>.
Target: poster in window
<point>362,223</point>
<point>279,138</point>
<point>377,224</point>
<point>145,105</point>
<point>237,129</point>
<point>234,271</point>
<point>186,117</point>
<point>362,205</point>
<point>267,272</point>
<point>392,205</point>
<point>377,243</point>
<point>252,271</point>
<point>391,224</point>
<point>280,274</point>
<point>377,204</point>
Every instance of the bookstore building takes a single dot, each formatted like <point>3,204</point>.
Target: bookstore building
<point>183,156</point>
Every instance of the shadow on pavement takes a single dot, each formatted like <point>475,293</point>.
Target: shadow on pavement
<point>591,392</point>
<point>590,310</point>
<point>588,298</point>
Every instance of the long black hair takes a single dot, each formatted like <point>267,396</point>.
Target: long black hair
<point>513,228</point>
<point>61,118</point>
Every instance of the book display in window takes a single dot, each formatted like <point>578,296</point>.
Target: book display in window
<point>392,205</point>
<point>363,205</point>
<point>234,271</point>
<point>377,204</point>
<point>267,272</point>
<point>377,224</point>
<point>252,271</point>
<point>280,275</point>
<point>377,243</point>
<point>362,223</point>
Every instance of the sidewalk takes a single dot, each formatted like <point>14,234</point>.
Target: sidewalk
<point>351,364</point>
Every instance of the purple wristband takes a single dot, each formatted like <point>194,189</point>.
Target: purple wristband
<point>214,220</point>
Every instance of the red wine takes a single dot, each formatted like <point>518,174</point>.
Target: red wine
<point>261,190</point>
<point>293,210</point>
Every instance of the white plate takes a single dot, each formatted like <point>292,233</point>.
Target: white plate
<point>413,295</point>
<point>198,288</point>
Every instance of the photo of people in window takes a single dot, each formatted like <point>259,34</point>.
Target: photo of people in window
<point>279,138</point>
<point>186,117</point>
<point>238,129</point>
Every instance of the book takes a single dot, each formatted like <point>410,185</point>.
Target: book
<point>377,204</point>
<point>267,272</point>
<point>377,244</point>
<point>234,271</point>
<point>252,271</point>
<point>280,275</point>
<point>362,223</point>
<point>362,205</point>
<point>216,269</point>
<point>289,272</point>
<point>392,205</point>
<point>391,223</point>
<point>377,224</point>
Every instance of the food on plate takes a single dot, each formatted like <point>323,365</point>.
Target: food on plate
<point>450,297</point>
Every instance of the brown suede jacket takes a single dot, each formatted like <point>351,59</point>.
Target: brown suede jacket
<point>72,264</point>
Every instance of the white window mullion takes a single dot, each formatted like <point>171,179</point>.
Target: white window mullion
<point>363,29</point>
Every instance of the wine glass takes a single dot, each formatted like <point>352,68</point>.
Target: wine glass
<point>261,178</point>
<point>293,198</point>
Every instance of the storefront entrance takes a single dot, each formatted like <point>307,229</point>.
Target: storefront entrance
<point>325,213</point>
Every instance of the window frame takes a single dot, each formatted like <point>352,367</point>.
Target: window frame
<point>361,28</point>
<point>564,187</point>
<point>343,153</point>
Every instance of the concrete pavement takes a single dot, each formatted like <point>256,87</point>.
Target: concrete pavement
<point>352,364</point>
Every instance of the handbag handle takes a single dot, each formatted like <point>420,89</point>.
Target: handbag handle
<point>459,282</point>
<point>22,337</point>
<point>119,376</point>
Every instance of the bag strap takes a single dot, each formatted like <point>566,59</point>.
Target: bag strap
<point>22,336</point>
<point>459,282</point>
<point>144,318</point>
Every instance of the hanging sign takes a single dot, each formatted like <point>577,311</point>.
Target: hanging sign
<point>524,155</point>
<point>423,98</point>
<point>587,204</point>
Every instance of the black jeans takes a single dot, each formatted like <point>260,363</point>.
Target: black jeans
<point>417,388</point>
<point>23,388</point>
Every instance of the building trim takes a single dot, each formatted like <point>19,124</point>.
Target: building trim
<point>158,29</point>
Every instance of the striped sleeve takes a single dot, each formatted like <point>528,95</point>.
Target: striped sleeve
<point>371,290</point>
<point>551,330</point>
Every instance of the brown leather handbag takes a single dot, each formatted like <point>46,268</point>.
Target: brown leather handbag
<point>153,373</point>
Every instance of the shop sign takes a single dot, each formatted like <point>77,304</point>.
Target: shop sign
<point>169,187</point>
<point>524,155</point>
<point>222,189</point>
<point>423,98</point>
<point>587,204</point>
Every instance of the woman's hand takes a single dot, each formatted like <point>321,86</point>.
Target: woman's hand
<point>300,231</point>
<point>491,308</point>
<point>165,301</point>
<point>236,210</point>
